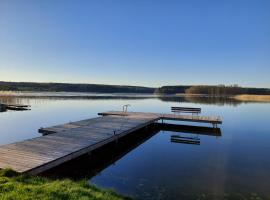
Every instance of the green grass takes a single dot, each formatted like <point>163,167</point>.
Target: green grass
<point>15,186</point>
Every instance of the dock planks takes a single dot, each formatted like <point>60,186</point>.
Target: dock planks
<point>65,142</point>
<point>68,141</point>
<point>175,117</point>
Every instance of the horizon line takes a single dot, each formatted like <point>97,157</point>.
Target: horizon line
<point>73,83</point>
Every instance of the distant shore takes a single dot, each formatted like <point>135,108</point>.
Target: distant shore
<point>185,90</point>
<point>255,98</point>
<point>90,95</point>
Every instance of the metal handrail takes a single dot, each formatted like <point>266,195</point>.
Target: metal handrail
<point>125,107</point>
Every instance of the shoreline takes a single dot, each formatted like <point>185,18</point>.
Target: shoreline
<point>34,94</point>
<point>18,186</point>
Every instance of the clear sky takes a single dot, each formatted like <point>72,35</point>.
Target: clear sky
<point>136,42</point>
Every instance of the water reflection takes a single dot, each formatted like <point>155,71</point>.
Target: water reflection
<point>25,98</point>
<point>189,134</point>
<point>199,130</point>
<point>185,140</point>
<point>14,100</point>
<point>152,167</point>
<point>139,184</point>
<point>220,101</point>
<point>91,164</point>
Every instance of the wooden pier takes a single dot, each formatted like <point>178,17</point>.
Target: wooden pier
<point>65,142</point>
<point>16,107</point>
<point>175,117</point>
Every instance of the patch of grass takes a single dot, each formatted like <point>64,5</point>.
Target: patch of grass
<point>14,186</point>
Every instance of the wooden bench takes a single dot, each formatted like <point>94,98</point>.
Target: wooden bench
<point>186,110</point>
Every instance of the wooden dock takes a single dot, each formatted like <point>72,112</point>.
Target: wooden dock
<point>65,142</point>
<point>174,117</point>
<point>16,107</point>
<point>68,141</point>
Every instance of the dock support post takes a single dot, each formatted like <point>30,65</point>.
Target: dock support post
<point>116,141</point>
<point>146,128</point>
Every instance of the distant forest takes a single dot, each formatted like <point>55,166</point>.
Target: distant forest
<point>218,90</point>
<point>67,87</point>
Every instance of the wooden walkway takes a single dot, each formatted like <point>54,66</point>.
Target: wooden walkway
<point>67,141</point>
<point>175,117</point>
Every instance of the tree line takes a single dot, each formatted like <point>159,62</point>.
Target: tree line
<point>67,87</point>
<point>211,90</point>
<point>216,90</point>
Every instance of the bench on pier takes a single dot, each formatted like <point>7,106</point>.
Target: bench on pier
<point>186,110</point>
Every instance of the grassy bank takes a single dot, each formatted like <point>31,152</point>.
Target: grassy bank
<point>257,98</point>
<point>14,186</point>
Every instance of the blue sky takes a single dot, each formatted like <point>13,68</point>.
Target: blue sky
<point>136,42</point>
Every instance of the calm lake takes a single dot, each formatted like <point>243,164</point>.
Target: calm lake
<point>148,165</point>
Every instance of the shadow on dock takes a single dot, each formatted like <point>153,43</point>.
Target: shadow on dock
<point>89,165</point>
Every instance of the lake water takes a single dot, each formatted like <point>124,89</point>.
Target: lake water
<point>148,165</point>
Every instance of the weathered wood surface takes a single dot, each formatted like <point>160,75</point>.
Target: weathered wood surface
<point>178,117</point>
<point>68,141</point>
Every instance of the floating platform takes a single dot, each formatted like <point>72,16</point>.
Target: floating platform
<point>65,142</point>
<point>16,107</point>
<point>174,117</point>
